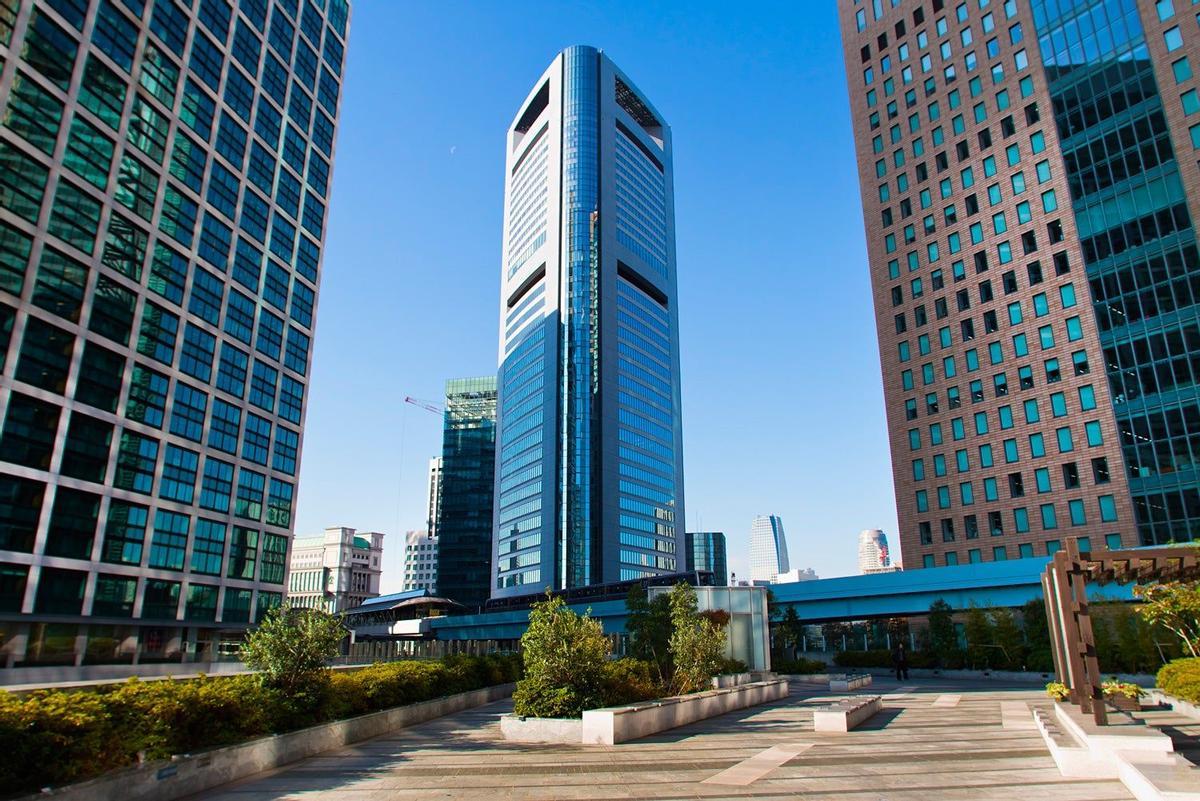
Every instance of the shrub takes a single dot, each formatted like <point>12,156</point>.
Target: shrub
<point>627,681</point>
<point>290,647</point>
<point>728,666</point>
<point>565,654</point>
<point>799,666</point>
<point>50,738</point>
<point>697,643</point>
<point>876,658</point>
<point>1181,678</point>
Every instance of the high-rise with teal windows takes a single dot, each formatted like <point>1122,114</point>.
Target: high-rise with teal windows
<point>466,478</point>
<point>1030,184</point>
<point>164,185</point>
<point>589,465</point>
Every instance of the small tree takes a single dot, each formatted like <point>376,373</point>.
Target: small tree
<point>1007,636</point>
<point>979,637</point>
<point>942,637</point>
<point>790,630</point>
<point>649,626</point>
<point>697,643</point>
<point>1175,605</point>
<point>565,654</point>
<point>291,647</point>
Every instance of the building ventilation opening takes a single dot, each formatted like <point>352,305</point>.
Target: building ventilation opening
<point>641,113</point>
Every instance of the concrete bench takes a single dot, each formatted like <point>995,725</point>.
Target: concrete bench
<point>846,715</point>
<point>850,683</point>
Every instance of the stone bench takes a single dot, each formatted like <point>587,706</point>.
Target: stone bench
<point>846,715</point>
<point>850,683</point>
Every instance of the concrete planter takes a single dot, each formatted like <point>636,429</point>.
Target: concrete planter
<point>541,730</point>
<point>1157,696</point>
<point>618,724</point>
<point>731,680</point>
<point>189,774</point>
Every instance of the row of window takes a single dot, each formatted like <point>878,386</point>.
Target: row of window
<point>1047,512</point>
<point>62,591</point>
<point>1025,550</point>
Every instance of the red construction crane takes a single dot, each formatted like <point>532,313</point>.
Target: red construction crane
<point>428,406</point>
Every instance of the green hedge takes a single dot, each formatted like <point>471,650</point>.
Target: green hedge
<point>798,666</point>
<point>1181,678</point>
<point>51,737</point>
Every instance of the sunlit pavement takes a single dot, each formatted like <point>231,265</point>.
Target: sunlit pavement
<point>933,740</point>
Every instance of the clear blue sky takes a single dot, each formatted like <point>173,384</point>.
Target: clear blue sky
<point>782,400</point>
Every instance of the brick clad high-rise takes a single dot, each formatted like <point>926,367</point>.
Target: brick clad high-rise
<point>1029,179</point>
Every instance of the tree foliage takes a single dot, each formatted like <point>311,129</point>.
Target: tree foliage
<point>291,647</point>
<point>1175,605</point>
<point>565,655</point>
<point>942,637</point>
<point>978,630</point>
<point>649,626</point>
<point>697,644</point>
<point>789,632</point>
<point>1008,640</point>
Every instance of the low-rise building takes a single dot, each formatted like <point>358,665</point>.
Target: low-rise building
<point>796,574</point>
<point>335,571</point>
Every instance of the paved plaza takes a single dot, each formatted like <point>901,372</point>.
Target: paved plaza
<point>932,741</point>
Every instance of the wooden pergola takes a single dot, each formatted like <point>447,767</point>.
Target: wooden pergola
<point>1064,588</point>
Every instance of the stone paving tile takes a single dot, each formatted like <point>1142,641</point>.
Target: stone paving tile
<point>915,750</point>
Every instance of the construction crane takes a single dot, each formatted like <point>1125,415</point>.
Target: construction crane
<point>428,406</point>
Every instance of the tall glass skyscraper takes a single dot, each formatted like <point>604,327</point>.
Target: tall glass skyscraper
<point>467,480</point>
<point>589,479</point>
<point>164,183</point>
<point>1029,178</point>
<point>768,548</point>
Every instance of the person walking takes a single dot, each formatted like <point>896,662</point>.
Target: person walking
<point>900,661</point>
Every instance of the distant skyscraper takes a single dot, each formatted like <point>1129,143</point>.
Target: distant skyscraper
<point>590,472</point>
<point>420,561</point>
<point>433,493</point>
<point>706,551</point>
<point>464,527</point>
<point>873,553</point>
<point>335,571</point>
<point>1030,188</point>
<point>164,181</point>
<point>768,548</point>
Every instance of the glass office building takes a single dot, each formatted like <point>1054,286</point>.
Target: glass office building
<point>467,481</point>
<point>164,184</point>
<point>1029,177</point>
<point>706,551</point>
<point>589,477</point>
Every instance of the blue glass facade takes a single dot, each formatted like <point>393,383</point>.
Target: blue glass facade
<point>1139,246</point>
<point>577,538</point>
<point>589,476</point>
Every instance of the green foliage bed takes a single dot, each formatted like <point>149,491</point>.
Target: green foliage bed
<point>51,738</point>
<point>1181,678</point>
